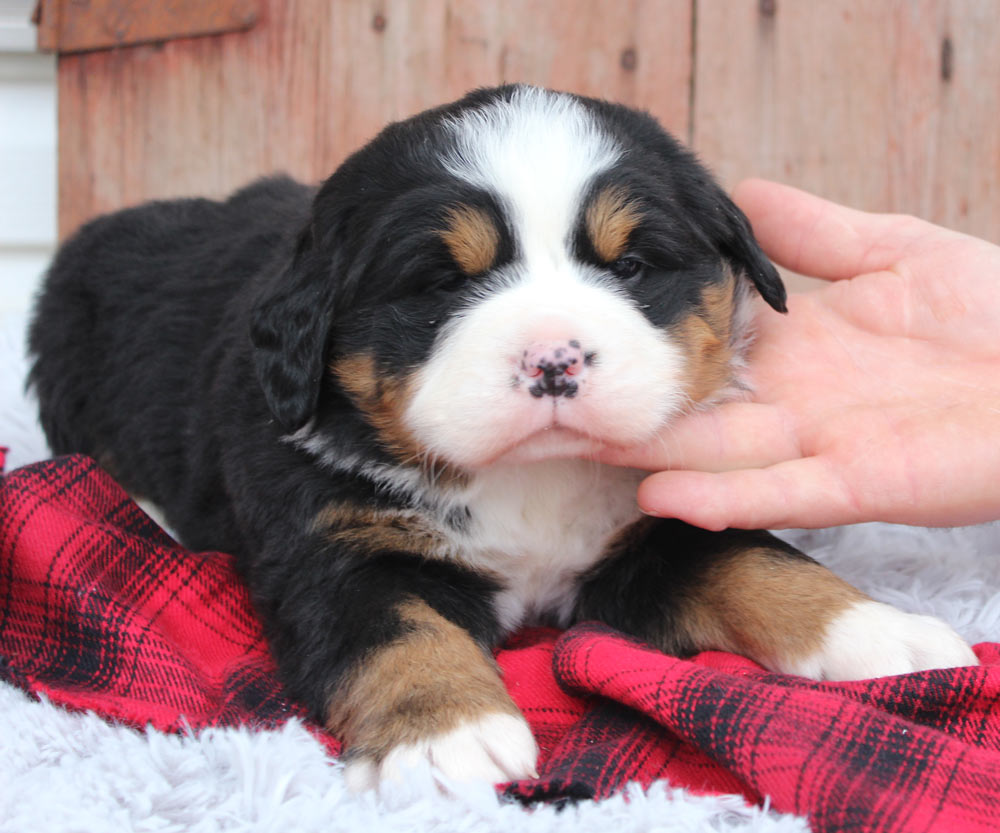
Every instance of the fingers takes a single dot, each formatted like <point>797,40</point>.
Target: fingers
<point>737,435</point>
<point>798,493</point>
<point>820,238</point>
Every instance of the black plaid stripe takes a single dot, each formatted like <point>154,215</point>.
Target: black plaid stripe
<point>844,763</point>
<point>121,611</point>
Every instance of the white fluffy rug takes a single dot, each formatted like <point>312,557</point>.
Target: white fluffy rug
<point>74,772</point>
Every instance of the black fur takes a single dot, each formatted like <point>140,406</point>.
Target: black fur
<point>181,342</point>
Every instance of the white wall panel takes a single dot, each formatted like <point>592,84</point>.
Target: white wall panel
<point>27,157</point>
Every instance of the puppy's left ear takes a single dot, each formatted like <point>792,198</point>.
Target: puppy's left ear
<point>289,328</point>
<point>741,249</point>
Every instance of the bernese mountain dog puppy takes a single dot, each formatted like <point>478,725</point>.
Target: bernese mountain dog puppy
<point>384,396</point>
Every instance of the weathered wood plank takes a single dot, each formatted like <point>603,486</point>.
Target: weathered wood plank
<point>70,26</point>
<point>313,80</point>
<point>889,106</point>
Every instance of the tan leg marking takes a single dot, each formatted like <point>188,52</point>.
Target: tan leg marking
<point>472,238</point>
<point>610,220</point>
<point>766,606</point>
<point>427,682</point>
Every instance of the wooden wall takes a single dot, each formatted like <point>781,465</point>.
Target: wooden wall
<point>888,105</point>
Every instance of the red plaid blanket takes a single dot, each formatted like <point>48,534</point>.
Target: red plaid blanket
<point>100,610</point>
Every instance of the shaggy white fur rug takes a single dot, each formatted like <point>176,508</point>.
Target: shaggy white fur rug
<point>74,772</point>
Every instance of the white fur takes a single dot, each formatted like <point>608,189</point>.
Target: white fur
<point>397,480</point>
<point>468,407</point>
<point>537,152</point>
<point>872,639</point>
<point>536,525</point>
<point>493,748</point>
<point>470,403</point>
<point>539,526</point>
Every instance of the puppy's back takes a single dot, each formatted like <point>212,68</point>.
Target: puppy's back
<point>132,305</point>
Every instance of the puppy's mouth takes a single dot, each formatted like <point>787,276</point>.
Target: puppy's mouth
<point>552,442</point>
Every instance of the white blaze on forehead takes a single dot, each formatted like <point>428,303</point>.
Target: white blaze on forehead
<point>538,152</point>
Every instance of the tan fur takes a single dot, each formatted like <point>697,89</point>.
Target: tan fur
<point>383,401</point>
<point>374,530</point>
<point>705,336</point>
<point>765,606</point>
<point>472,238</point>
<point>610,220</point>
<point>428,681</point>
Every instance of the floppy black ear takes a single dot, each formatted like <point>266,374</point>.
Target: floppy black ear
<point>741,249</point>
<point>289,326</point>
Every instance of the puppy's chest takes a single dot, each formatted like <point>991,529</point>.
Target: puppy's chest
<point>539,527</point>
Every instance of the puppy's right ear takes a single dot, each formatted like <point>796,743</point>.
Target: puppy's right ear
<point>290,325</point>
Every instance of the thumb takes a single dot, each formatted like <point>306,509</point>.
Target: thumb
<point>820,238</point>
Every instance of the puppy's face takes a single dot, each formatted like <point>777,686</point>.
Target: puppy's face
<point>521,275</point>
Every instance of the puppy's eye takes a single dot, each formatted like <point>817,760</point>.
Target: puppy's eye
<point>626,267</point>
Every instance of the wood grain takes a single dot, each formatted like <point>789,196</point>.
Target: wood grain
<point>71,26</point>
<point>889,106</point>
<point>313,80</point>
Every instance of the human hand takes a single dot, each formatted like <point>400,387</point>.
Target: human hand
<point>876,398</point>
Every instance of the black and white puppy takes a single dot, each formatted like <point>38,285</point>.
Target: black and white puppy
<point>381,396</point>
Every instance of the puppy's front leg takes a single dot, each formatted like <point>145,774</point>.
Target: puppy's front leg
<point>430,694</point>
<point>684,590</point>
<point>392,653</point>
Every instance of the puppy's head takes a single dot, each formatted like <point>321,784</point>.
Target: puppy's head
<point>519,275</point>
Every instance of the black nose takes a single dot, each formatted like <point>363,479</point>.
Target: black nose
<point>554,381</point>
<point>555,368</point>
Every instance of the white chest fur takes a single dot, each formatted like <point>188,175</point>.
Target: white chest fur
<point>539,525</point>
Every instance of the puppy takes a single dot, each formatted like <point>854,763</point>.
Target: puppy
<point>381,396</point>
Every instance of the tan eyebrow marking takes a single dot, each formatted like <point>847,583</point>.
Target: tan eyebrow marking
<point>472,238</point>
<point>610,220</point>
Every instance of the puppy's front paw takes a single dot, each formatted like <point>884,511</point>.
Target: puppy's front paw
<point>493,748</point>
<point>430,699</point>
<point>871,639</point>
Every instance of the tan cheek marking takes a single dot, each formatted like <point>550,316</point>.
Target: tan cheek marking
<point>705,337</point>
<point>383,401</point>
<point>717,304</point>
<point>372,530</point>
<point>472,238</point>
<point>428,681</point>
<point>708,358</point>
<point>766,606</point>
<point>610,220</point>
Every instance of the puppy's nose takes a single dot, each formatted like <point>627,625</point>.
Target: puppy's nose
<point>555,368</point>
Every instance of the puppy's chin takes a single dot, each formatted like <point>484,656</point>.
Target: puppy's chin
<point>554,443</point>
